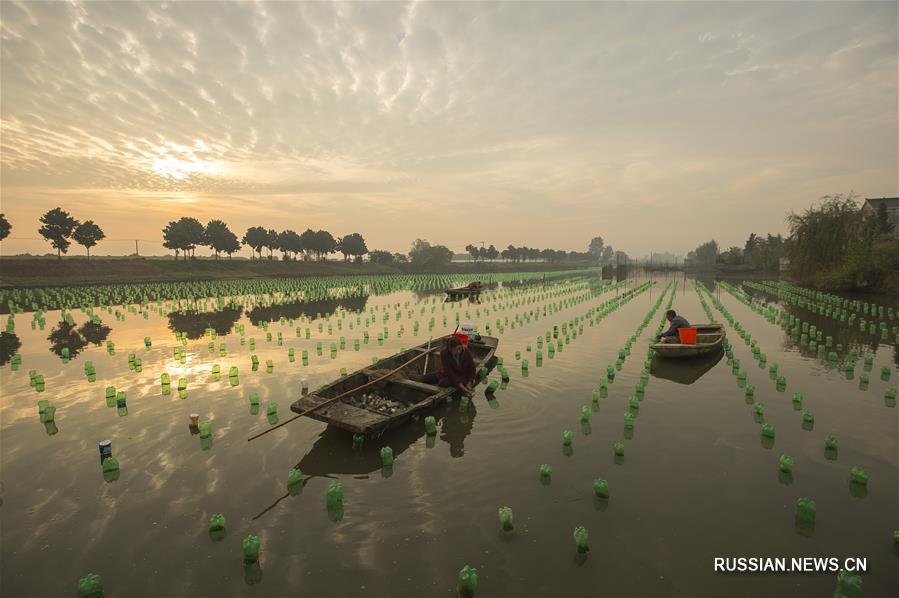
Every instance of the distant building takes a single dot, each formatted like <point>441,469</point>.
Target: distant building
<point>784,263</point>
<point>872,206</point>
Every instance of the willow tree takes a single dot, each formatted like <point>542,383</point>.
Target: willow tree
<point>822,236</point>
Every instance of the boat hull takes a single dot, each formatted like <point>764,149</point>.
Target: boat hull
<point>709,338</point>
<point>404,386</point>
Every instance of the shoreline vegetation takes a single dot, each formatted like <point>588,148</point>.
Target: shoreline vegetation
<point>19,272</point>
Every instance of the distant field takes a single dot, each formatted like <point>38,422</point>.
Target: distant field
<point>33,272</point>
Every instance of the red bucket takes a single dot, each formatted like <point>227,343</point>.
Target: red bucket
<point>687,336</point>
<point>462,337</point>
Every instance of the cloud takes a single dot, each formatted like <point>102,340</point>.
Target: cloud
<point>450,116</point>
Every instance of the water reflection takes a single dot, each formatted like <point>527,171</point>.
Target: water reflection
<point>685,371</point>
<point>65,337</point>
<point>194,324</point>
<point>9,345</point>
<point>299,309</point>
<point>333,453</point>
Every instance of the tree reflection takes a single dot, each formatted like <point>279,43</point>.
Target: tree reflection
<point>95,334</point>
<point>65,336</point>
<point>298,309</point>
<point>9,344</point>
<point>194,324</point>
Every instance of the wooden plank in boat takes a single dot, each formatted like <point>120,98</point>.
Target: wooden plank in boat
<point>342,412</point>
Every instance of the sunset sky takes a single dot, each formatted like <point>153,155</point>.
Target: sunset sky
<point>654,125</point>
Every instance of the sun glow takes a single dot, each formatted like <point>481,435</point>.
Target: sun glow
<point>177,168</point>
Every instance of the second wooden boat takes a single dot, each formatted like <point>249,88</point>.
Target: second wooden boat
<point>709,338</point>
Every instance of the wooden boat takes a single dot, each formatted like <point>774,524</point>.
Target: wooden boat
<point>405,386</point>
<point>709,338</point>
<point>466,290</point>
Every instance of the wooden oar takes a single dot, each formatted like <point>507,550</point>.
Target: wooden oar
<point>340,396</point>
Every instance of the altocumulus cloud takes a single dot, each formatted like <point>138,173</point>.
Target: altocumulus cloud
<point>537,123</point>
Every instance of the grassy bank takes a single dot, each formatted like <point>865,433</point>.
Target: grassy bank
<point>34,272</point>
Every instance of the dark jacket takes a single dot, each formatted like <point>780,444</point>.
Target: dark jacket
<point>458,373</point>
<point>676,322</point>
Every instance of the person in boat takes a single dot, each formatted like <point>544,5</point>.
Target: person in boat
<point>474,286</point>
<point>676,322</point>
<point>456,367</point>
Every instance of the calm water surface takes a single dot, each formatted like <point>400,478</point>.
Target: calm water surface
<point>696,482</point>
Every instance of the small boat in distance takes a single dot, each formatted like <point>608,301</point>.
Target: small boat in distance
<point>709,338</point>
<point>473,288</point>
<point>354,414</point>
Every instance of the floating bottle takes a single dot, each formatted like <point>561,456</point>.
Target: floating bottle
<point>90,586</point>
<point>294,477</point>
<point>272,408</point>
<point>217,523</point>
<point>768,431</point>
<point>205,429</point>
<point>386,456</point>
<point>806,510</point>
<point>251,549</point>
<point>334,496</point>
<point>430,425</point>
<point>567,437</point>
<point>545,471</point>
<point>831,443</point>
<point>618,449</point>
<point>601,488</point>
<point>858,476</point>
<point>468,582</point>
<point>785,463</point>
<point>505,518</point>
<point>580,539</point>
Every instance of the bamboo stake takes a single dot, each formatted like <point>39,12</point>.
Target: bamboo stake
<point>338,397</point>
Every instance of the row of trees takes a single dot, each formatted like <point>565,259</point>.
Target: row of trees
<point>60,229</point>
<point>183,236</point>
<point>762,253</point>
<point>834,245</point>
<point>597,252</point>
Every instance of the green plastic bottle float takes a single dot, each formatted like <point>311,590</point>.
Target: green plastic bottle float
<point>467,584</point>
<point>806,510</point>
<point>205,429</point>
<point>294,478</point>
<point>580,539</point>
<point>90,586</point>
<point>545,471</point>
<point>505,519</point>
<point>386,456</point>
<point>251,549</point>
<point>601,488</point>
<point>786,463</point>
<point>271,408</point>
<point>430,425</point>
<point>217,526</point>
<point>618,449</point>
<point>808,417</point>
<point>334,496</point>
<point>768,431</point>
<point>831,443</point>
<point>567,437</point>
<point>358,440</point>
<point>849,585</point>
<point>628,422</point>
<point>857,475</point>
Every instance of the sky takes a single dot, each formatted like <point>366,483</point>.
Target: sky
<point>656,126</point>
